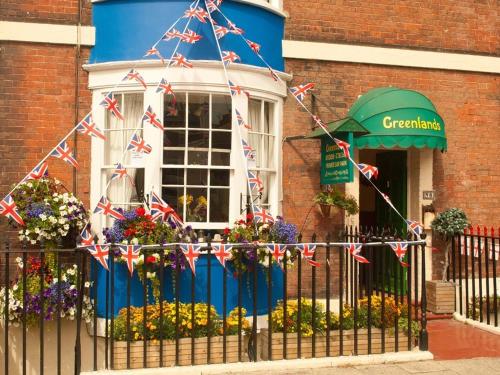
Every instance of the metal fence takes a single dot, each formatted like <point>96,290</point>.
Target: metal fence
<point>156,331</point>
<point>474,269</point>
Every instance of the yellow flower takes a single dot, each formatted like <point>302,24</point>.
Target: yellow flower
<point>202,201</point>
<point>185,199</point>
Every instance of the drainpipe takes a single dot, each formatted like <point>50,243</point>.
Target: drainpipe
<point>77,86</point>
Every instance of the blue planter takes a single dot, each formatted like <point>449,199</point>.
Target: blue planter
<point>200,287</point>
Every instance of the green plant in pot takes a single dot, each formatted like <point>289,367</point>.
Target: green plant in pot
<point>337,200</point>
<point>446,225</point>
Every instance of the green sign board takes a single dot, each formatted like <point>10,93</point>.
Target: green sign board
<point>335,167</point>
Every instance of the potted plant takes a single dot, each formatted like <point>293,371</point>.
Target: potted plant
<point>331,202</point>
<point>441,293</point>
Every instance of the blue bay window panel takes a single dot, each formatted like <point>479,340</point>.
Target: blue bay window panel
<point>126,29</point>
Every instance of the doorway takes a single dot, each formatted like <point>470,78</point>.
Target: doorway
<point>376,213</point>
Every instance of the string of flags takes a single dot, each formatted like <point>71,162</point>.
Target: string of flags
<point>160,210</point>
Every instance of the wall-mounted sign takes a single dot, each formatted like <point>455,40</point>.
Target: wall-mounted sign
<point>335,167</point>
<point>428,194</point>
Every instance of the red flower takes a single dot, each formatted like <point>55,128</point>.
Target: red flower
<point>127,233</point>
<point>150,259</point>
<point>241,222</point>
<point>140,211</point>
<point>249,217</point>
<point>227,231</point>
<point>148,216</point>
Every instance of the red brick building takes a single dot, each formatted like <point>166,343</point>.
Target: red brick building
<point>446,51</point>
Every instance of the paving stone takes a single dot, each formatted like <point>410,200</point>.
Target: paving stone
<point>485,366</point>
<point>334,371</point>
<point>379,369</point>
<point>423,367</point>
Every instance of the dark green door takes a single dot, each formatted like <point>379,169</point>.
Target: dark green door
<point>391,181</point>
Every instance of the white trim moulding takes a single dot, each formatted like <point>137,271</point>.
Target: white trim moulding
<point>294,49</point>
<point>47,33</point>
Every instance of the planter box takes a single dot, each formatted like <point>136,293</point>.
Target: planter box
<point>200,352</point>
<point>348,344</point>
<point>440,296</point>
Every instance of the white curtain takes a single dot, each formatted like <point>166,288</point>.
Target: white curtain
<point>132,107</point>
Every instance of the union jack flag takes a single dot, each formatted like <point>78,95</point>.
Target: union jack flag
<point>198,13</point>
<point>254,46</point>
<point>320,123</point>
<point>248,150</point>
<point>179,60</point>
<point>262,215</point>
<point>399,249</point>
<point>415,227</point>
<point>86,236</point>
<point>220,31</point>
<point>254,181</point>
<point>134,75</point>
<point>307,251</point>
<point>191,252</point>
<point>191,37</point>
<point>165,88</point>
<point>368,170</point>
<point>101,254</point>
<point>273,74</point>
<point>235,89</point>
<point>38,172</point>
<point>355,251</point>
<point>161,210</point>
<point>154,52</point>
<point>62,151</point>
<point>300,91</point>
<point>111,104</point>
<point>240,120</point>
<point>218,2</point>
<point>234,29</point>
<point>104,207</point>
<point>344,146</point>
<point>229,57</point>
<point>278,251</point>
<point>137,144</point>
<point>222,252</point>
<point>8,209</point>
<point>211,6</point>
<point>88,127</point>
<point>119,172</point>
<point>130,253</point>
<point>151,117</point>
<point>174,33</point>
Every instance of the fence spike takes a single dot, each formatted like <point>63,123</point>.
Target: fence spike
<point>485,230</point>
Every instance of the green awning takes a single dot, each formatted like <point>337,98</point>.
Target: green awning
<point>346,125</point>
<point>397,117</point>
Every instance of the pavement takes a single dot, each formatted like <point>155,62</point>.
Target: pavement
<point>481,366</point>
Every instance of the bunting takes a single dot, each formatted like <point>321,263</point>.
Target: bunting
<point>160,210</point>
<point>355,251</point>
<point>119,172</point>
<point>111,104</point>
<point>307,252</point>
<point>172,34</point>
<point>300,91</point>
<point>399,249</point>
<point>415,227</point>
<point>240,120</point>
<point>344,146</point>
<point>134,75</point>
<point>254,181</point>
<point>138,144</point>
<point>222,252</point>
<point>130,254</point>
<point>191,37</point>
<point>104,207</point>
<point>248,151</point>
<point>261,215</point>
<point>151,117</point>
<point>368,170</point>
<point>181,61</point>
<point>88,127</point>
<point>277,251</point>
<point>40,171</point>
<point>229,57</point>
<point>154,52</point>
<point>100,254</point>
<point>8,209</point>
<point>192,253</point>
<point>86,236</point>
<point>63,152</point>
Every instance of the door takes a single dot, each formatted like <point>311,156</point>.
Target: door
<point>392,182</point>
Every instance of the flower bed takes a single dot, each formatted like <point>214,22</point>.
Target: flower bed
<point>167,330</point>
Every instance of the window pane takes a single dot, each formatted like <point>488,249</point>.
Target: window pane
<point>171,196</point>
<point>174,138</point>
<point>197,177</point>
<point>268,118</point>
<point>198,111</point>
<point>174,115</point>
<point>254,114</point>
<point>173,157</point>
<point>126,189</point>
<point>196,205</point>
<point>254,141</point>
<point>268,157</point>
<point>221,140</point>
<point>197,158</point>
<point>219,177</point>
<point>173,176</point>
<point>221,112</point>
<point>220,158</point>
<point>219,205</point>
<point>198,139</point>
<point>113,147</point>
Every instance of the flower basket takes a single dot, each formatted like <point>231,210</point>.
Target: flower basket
<point>200,352</point>
<point>440,296</point>
<point>328,210</point>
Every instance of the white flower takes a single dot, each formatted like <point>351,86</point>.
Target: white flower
<point>64,278</point>
<point>62,220</point>
<point>43,217</point>
<point>15,287</point>
<point>66,226</point>
<point>63,213</point>
<point>62,208</point>
<point>52,219</point>
<point>70,271</point>
<point>33,242</point>
<point>135,241</point>
<point>55,280</point>
<point>27,232</point>
<point>37,230</point>
<point>151,275</point>
<point>87,284</point>
<point>29,184</point>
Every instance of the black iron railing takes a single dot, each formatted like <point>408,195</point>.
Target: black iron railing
<point>474,269</point>
<point>339,307</point>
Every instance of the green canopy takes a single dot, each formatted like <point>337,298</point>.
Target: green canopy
<point>396,117</point>
<point>347,125</point>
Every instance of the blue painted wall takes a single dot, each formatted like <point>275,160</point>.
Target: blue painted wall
<point>125,29</point>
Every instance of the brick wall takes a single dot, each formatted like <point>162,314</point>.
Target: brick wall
<point>466,176</point>
<point>453,25</point>
<point>46,11</point>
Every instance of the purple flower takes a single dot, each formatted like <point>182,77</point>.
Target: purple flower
<point>284,232</point>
